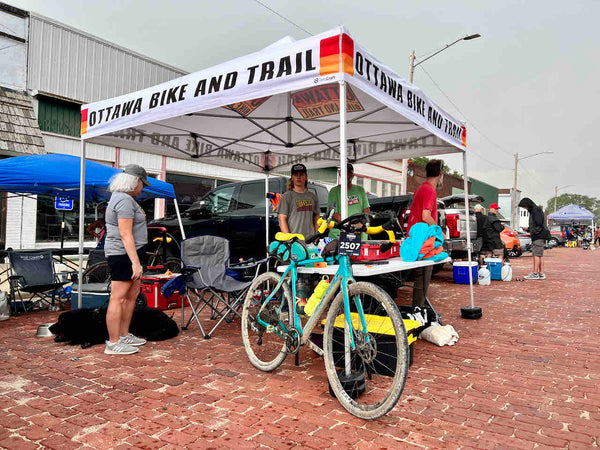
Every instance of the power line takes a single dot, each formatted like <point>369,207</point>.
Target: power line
<point>464,115</point>
<point>283,17</point>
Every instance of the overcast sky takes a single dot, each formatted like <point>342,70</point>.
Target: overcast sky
<point>530,84</point>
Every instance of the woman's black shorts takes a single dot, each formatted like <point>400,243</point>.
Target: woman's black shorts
<point>120,265</point>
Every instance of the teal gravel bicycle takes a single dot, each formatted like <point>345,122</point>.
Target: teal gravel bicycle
<point>364,341</point>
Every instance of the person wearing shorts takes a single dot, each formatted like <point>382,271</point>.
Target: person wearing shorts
<point>126,238</point>
<point>539,235</point>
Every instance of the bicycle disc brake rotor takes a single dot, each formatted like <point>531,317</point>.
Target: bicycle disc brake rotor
<point>366,348</point>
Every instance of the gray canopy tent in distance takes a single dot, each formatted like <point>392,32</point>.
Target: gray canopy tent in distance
<point>321,101</point>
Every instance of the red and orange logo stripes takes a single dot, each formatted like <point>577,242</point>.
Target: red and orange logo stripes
<point>463,136</point>
<point>84,121</point>
<point>329,57</point>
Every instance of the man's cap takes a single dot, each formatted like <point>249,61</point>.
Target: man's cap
<point>495,206</point>
<point>478,207</point>
<point>298,168</point>
<point>137,171</point>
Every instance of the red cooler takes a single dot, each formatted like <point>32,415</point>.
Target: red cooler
<point>151,287</point>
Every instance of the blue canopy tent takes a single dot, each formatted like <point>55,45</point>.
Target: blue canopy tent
<point>572,214</point>
<point>59,175</point>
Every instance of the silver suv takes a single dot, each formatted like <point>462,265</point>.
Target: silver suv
<point>455,230</point>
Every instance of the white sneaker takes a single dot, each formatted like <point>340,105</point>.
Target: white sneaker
<point>130,339</point>
<point>541,276</point>
<point>532,276</point>
<point>119,348</point>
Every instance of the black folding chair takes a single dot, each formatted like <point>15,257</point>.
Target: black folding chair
<point>211,278</point>
<point>33,273</point>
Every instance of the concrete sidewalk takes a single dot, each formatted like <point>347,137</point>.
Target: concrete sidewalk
<point>526,375</point>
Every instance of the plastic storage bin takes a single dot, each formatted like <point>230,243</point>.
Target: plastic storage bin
<point>370,251</point>
<point>93,295</point>
<point>495,267</point>
<point>460,271</point>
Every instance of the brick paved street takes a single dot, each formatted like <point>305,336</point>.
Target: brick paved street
<point>526,375</point>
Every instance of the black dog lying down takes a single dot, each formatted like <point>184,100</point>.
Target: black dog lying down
<point>87,327</point>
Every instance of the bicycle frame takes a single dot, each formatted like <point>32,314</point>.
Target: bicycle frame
<point>343,277</point>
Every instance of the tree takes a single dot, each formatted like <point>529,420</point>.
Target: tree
<point>592,204</point>
<point>423,160</point>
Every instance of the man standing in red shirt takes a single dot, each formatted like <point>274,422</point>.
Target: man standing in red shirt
<point>424,209</point>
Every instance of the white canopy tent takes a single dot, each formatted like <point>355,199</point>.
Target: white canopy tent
<point>320,101</point>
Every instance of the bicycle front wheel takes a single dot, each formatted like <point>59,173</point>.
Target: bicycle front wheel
<point>368,380</point>
<point>266,348</point>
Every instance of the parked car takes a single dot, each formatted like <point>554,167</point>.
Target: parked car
<point>557,235</point>
<point>235,211</point>
<point>511,242</point>
<point>524,242</point>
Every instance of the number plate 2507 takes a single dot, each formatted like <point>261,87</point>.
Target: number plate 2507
<point>349,244</point>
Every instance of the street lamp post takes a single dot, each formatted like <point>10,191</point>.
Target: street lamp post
<point>556,189</point>
<point>411,72</point>
<point>513,220</point>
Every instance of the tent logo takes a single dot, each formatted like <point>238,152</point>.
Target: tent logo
<point>329,57</point>
<point>84,121</point>
<point>463,136</point>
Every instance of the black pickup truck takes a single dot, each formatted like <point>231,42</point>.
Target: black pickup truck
<point>235,211</point>
<point>450,217</point>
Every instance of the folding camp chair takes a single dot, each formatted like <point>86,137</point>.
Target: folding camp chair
<point>211,278</point>
<point>33,273</point>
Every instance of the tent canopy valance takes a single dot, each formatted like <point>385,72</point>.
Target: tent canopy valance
<point>268,110</point>
<point>572,213</point>
<point>59,175</point>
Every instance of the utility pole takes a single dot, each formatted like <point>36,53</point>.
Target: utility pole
<point>514,193</point>
<point>411,72</point>
<point>513,220</point>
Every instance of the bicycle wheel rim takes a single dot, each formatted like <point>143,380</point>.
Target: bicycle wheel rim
<point>266,350</point>
<point>98,273</point>
<point>378,367</point>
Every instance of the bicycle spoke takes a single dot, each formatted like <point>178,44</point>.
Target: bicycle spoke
<point>369,378</point>
<point>264,345</point>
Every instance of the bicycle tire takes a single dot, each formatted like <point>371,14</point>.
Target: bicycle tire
<point>266,350</point>
<point>97,273</point>
<point>374,382</point>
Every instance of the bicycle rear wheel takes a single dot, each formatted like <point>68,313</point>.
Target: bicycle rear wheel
<point>266,349</point>
<point>98,273</point>
<point>369,383</point>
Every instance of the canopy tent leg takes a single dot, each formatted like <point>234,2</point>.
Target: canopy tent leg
<point>343,154</point>
<point>267,218</point>
<point>81,224</point>
<point>179,218</point>
<point>468,312</point>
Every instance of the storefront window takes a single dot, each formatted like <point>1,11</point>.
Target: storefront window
<point>49,219</point>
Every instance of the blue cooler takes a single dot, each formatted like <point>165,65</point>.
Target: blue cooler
<point>494,265</point>
<point>460,270</point>
<point>94,295</point>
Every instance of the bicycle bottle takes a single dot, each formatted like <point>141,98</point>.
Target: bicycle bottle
<point>316,296</point>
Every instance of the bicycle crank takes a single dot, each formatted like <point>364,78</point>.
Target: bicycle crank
<point>292,341</point>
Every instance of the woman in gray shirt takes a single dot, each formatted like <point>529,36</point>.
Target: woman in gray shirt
<point>126,238</point>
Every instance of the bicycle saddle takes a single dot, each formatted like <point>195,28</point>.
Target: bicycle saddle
<point>283,237</point>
